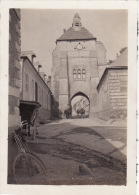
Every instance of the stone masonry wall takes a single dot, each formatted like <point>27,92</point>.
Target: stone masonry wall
<point>118,93</point>
<point>113,95</point>
<point>104,105</point>
<point>66,58</point>
<point>118,88</point>
<point>14,66</point>
<point>55,72</point>
<point>14,84</point>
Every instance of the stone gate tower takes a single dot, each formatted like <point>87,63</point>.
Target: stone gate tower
<point>77,61</point>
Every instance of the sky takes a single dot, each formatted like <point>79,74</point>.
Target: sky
<point>40,28</point>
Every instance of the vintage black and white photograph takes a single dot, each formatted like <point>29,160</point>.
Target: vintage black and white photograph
<point>68,72</point>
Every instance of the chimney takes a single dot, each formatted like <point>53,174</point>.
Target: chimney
<point>44,77</point>
<point>30,54</point>
<point>33,56</point>
<point>64,30</point>
<point>39,66</point>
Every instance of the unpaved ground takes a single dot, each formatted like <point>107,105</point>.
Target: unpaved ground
<point>66,146</point>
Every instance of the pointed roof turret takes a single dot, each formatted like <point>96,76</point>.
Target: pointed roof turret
<point>76,32</point>
<point>76,15</point>
<point>76,22</point>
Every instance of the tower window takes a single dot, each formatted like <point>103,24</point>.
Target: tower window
<point>74,74</point>
<point>83,74</point>
<point>79,73</point>
<point>76,24</point>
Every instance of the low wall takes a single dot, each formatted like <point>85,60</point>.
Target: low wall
<point>44,115</point>
<point>112,114</point>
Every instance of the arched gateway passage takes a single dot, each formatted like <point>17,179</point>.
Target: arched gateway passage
<point>79,101</point>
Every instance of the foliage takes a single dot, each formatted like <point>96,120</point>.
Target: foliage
<point>122,50</point>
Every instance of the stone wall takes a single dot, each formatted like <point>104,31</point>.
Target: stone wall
<point>118,89</point>
<point>101,53</point>
<point>78,60</point>
<point>55,73</point>
<point>113,95</point>
<point>67,58</point>
<point>14,118</point>
<point>44,115</point>
<point>14,66</point>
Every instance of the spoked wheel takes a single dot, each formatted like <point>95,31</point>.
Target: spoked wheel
<point>29,169</point>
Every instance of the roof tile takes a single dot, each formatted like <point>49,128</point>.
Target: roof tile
<point>71,34</point>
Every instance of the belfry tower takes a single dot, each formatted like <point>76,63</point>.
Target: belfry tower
<point>77,62</point>
<point>77,22</point>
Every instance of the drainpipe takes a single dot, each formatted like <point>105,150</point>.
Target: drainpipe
<point>32,58</point>
<point>68,81</point>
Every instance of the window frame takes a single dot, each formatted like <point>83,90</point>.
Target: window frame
<point>74,74</point>
<point>77,24</point>
<point>83,74</point>
<point>79,74</point>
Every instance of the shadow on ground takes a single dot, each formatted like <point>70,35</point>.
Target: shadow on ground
<point>64,148</point>
<point>105,168</point>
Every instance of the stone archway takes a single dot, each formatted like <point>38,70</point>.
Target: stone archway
<point>78,101</point>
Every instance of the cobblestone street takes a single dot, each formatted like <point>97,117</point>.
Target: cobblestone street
<point>75,151</point>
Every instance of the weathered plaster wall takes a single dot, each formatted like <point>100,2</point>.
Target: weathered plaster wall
<point>28,89</point>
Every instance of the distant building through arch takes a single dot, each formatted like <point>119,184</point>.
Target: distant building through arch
<point>80,100</point>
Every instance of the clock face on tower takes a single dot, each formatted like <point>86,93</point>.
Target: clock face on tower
<point>79,46</point>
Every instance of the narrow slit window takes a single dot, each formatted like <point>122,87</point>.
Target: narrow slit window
<point>83,74</point>
<point>79,73</point>
<point>74,74</point>
<point>76,24</point>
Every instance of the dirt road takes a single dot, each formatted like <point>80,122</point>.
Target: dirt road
<point>75,152</point>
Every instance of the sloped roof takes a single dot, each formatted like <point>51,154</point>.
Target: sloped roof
<point>25,53</point>
<point>122,60</point>
<point>71,34</point>
<point>120,63</point>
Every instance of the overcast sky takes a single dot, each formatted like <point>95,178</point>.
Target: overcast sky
<point>40,29</point>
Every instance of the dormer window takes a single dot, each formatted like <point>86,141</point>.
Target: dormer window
<point>76,24</point>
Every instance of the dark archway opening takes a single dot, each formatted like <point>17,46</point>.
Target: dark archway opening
<point>79,101</point>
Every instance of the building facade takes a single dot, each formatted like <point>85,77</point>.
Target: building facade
<point>112,89</point>
<point>14,117</point>
<point>77,62</point>
<point>14,67</point>
<point>34,88</point>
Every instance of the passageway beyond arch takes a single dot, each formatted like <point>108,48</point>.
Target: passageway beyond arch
<point>80,101</point>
